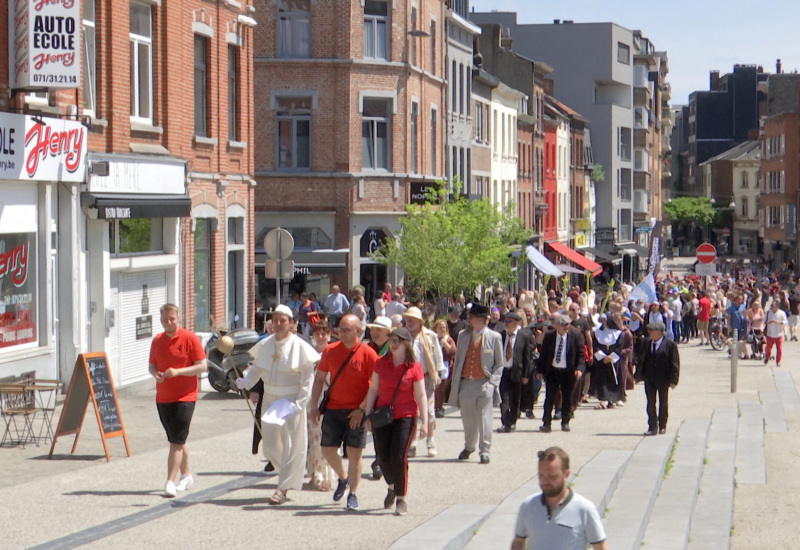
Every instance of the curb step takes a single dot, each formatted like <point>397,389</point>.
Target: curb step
<point>450,530</point>
<point>751,461</point>
<point>784,383</point>
<point>774,417</point>
<point>672,514</point>
<point>713,513</point>
<point>498,530</point>
<point>597,480</point>
<point>629,510</point>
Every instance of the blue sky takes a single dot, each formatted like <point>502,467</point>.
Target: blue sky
<point>698,35</point>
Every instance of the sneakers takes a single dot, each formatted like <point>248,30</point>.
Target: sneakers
<point>412,451</point>
<point>170,490</point>
<point>432,452</point>
<point>185,482</point>
<point>388,502</point>
<point>401,509</point>
<point>341,487</point>
<point>352,502</point>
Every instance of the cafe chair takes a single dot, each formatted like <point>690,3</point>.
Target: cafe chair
<point>16,407</point>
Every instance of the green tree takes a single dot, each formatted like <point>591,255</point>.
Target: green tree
<point>597,174</point>
<point>451,243</point>
<point>684,210</point>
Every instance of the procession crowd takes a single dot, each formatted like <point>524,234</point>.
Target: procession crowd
<point>327,374</point>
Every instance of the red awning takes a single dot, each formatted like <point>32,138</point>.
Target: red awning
<point>577,258</point>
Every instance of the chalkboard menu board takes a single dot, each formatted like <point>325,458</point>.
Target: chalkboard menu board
<point>91,379</point>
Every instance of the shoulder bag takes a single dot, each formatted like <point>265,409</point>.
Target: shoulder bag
<point>382,416</point>
<point>323,404</point>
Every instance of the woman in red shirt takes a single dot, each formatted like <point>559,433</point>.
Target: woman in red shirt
<point>397,371</point>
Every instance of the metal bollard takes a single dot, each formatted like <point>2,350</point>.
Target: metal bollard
<point>733,345</point>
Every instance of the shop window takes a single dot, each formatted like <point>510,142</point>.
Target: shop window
<point>136,236</point>
<point>304,237</point>
<point>294,132</point>
<point>141,52</point>
<point>294,28</point>
<point>202,273</point>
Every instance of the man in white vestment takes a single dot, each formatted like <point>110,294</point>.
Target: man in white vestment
<point>285,363</point>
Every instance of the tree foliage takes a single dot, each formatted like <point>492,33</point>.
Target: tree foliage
<point>597,174</point>
<point>683,210</point>
<point>449,244</point>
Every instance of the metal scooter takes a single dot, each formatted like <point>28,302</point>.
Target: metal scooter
<point>227,356</point>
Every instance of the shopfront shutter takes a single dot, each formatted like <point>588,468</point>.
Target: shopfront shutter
<point>134,354</point>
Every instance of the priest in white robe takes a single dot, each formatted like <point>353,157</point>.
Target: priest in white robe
<point>285,363</point>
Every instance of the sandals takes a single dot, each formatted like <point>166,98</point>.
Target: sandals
<point>278,498</point>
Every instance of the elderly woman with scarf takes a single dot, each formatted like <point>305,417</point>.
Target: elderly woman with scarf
<point>606,383</point>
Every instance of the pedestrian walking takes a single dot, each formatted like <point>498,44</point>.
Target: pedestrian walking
<point>557,517</point>
<point>775,321</point>
<point>518,344</point>
<point>658,366</point>
<point>350,365</point>
<point>336,304</point>
<point>176,359</point>
<point>477,372</point>
<point>398,382</point>
<point>284,362</point>
<point>561,365</point>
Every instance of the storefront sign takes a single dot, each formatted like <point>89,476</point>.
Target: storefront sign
<point>371,240</point>
<point>18,296</point>
<point>44,43</point>
<point>420,190</point>
<point>580,239</point>
<point>581,224</point>
<point>31,151</point>
<point>605,235</point>
<point>144,327</point>
<point>129,176</point>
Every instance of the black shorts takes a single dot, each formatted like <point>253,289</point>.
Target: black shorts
<point>176,418</point>
<point>336,430</point>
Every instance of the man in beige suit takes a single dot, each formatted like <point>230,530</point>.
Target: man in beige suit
<point>477,372</point>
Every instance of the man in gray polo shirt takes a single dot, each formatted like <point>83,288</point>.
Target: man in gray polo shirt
<point>557,517</point>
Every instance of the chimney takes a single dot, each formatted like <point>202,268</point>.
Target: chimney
<point>556,21</point>
<point>714,84</point>
<point>778,67</point>
<point>506,42</point>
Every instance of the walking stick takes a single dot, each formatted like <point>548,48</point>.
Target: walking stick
<point>225,345</point>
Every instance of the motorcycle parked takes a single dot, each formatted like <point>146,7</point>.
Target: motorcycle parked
<point>221,372</point>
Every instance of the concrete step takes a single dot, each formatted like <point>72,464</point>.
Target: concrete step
<point>751,460</point>
<point>597,480</point>
<point>498,529</point>
<point>672,514</point>
<point>713,512</point>
<point>450,530</point>
<point>784,383</point>
<point>771,406</point>
<point>628,513</point>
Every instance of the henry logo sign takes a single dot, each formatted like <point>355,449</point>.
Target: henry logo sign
<point>44,43</point>
<point>31,151</point>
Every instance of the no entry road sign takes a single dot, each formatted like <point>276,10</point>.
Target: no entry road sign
<point>706,253</point>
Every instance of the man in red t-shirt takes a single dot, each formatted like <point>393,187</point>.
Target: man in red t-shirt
<point>343,420</point>
<point>176,359</point>
<point>703,316</point>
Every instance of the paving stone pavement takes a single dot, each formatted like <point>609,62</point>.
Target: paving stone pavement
<point>118,504</point>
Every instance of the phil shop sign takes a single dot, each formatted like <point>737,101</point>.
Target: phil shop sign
<point>44,43</point>
<point>31,151</point>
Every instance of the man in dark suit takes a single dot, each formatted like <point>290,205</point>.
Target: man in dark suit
<point>561,364</point>
<point>658,365</point>
<point>518,344</point>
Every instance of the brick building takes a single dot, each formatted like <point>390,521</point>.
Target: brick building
<point>163,211</point>
<point>350,103</point>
